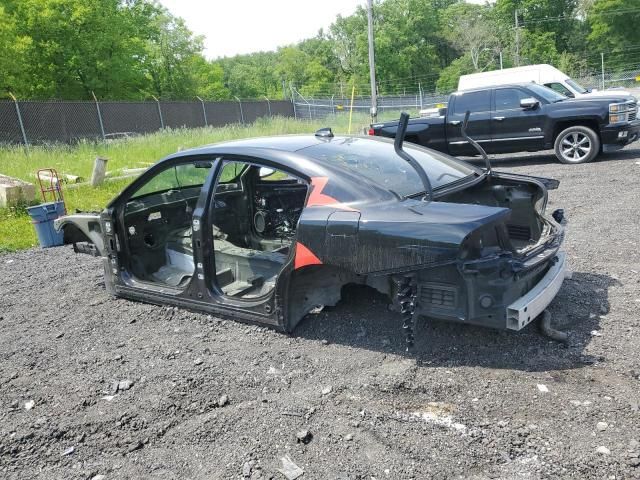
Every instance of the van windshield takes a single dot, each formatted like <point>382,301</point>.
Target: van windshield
<point>546,93</point>
<point>576,86</point>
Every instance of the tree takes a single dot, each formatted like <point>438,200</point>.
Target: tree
<point>552,23</point>
<point>539,47</point>
<point>449,76</point>
<point>209,79</point>
<point>80,46</point>
<point>471,30</point>
<point>614,29</point>
<point>171,51</point>
<point>13,69</point>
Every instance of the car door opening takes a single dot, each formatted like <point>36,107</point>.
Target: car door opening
<point>157,219</point>
<point>254,220</point>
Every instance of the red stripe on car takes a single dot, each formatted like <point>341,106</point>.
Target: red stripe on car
<point>305,257</point>
<point>318,198</point>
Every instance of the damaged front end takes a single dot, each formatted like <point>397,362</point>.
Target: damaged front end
<point>83,230</point>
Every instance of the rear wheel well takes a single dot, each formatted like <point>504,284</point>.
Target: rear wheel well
<point>314,286</point>
<point>560,126</point>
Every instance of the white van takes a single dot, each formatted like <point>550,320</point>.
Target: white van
<point>541,74</point>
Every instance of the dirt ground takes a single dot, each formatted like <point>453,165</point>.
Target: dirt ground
<point>93,387</point>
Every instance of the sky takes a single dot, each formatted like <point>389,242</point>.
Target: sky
<point>233,27</point>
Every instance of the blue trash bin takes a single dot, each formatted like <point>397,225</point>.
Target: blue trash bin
<point>42,217</point>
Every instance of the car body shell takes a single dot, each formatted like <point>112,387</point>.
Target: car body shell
<point>351,230</point>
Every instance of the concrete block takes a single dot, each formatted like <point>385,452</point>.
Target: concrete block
<point>14,191</point>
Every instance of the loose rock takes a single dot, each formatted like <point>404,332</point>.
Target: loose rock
<point>246,469</point>
<point>603,450</point>
<point>602,426</point>
<point>304,436</point>
<point>223,400</point>
<point>290,469</point>
<point>135,446</point>
<point>124,385</point>
<point>543,388</point>
<point>68,451</point>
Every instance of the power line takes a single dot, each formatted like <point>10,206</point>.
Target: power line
<point>572,16</point>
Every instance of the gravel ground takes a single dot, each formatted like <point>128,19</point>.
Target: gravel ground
<point>203,398</point>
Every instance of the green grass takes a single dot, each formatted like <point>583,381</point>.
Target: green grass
<point>16,231</point>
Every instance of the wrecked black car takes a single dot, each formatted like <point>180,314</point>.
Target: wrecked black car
<point>265,230</point>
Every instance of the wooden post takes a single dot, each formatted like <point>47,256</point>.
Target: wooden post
<point>99,171</point>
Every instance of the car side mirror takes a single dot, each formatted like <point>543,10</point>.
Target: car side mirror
<point>529,103</point>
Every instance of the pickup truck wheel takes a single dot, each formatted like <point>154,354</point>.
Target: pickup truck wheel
<point>577,145</point>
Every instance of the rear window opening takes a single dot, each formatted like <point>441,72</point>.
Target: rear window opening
<point>378,162</point>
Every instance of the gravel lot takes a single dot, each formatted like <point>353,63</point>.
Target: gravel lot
<point>204,398</point>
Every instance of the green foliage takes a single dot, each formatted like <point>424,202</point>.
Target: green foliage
<point>78,46</point>
<point>471,30</point>
<point>134,49</point>
<point>539,47</point>
<point>12,53</point>
<point>171,53</point>
<point>614,29</point>
<point>448,80</point>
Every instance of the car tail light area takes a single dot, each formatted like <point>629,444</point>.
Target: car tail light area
<point>371,131</point>
<point>482,243</point>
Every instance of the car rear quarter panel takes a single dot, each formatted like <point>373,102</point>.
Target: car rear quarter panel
<point>394,236</point>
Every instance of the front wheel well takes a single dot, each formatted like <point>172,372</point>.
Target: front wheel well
<point>560,126</point>
<point>72,234</point>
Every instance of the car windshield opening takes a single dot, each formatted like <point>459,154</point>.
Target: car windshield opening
<point>377,161</point>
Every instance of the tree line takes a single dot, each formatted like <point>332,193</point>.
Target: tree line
<point>135,49</point>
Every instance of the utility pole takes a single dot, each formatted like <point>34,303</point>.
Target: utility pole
<point>372,64</point>
<point>602,58</point>
<point>500,59</point>
<point>517,41</point>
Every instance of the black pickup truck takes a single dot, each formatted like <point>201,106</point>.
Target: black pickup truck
<point>525,117</point>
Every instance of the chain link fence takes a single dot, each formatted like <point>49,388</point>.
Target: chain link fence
<point>316,108</point>
<point>47,122</point>
<point>319,107</point>
<point>624,79</point>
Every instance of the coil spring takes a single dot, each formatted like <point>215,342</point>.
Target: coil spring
<point>406,296</point>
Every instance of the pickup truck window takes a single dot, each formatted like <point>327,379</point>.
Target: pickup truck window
<point>378,161</point>
<point>475,102</point>
<point>509,98</point>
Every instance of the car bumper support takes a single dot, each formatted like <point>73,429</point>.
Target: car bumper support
<point>525,309</point>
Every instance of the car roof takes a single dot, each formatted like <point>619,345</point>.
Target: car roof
<point>284,143</point>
